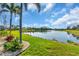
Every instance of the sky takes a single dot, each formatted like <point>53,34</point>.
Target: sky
<point>53,15</point>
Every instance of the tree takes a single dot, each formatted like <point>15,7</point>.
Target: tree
<point>4,17</point>
<point>10,8</point>
<point>20,22</point>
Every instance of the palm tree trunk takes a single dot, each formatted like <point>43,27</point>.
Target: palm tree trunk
<point>10,21</point>
<point>20,24</point>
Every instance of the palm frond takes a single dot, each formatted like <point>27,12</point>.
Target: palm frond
<point>25,5</point>
<point>3,11</point>
<point>12,5</point>
<point>16,10</point>
<point>38,6</point>
<point>5,5</point>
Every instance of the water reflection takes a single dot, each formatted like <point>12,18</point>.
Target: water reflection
<point>77,37</point>
<point>68,33</point>
<point>56,35</point>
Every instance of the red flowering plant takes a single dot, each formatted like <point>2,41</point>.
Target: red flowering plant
<point>9,38</point>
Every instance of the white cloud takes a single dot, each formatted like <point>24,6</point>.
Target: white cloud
<point>62,20</point>
<point>35,25</point>
<point>49,20</point>
<point>75,11</point>
<point>73,22</point>
<point>48,7</point>
<point>41,25</point>
<point>16,19</point>
<point>31,7</point>
<point>54,14</point>
<point>71,18</point>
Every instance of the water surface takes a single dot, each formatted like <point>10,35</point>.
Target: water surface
<point>55,35</point>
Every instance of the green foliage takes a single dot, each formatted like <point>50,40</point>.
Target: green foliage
<point>33,29</point>
<point>3,33</point>
<point>13,45</point>
<point>69,41</point>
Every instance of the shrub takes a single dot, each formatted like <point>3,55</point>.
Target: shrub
<point>9,38</point>
<point>13,45</point>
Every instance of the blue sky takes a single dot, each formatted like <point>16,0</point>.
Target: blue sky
<point>55,15</point>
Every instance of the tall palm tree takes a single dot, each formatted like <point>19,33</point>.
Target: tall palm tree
<point>11,8</point>
<point>21,8</point>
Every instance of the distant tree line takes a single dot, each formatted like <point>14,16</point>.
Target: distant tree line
<point>33,29</point>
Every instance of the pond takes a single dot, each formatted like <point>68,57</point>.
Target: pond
<point>60,36</point>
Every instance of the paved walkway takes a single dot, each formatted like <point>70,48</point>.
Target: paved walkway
<point>2,41</point>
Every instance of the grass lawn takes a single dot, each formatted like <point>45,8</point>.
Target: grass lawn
<point>42,47</point>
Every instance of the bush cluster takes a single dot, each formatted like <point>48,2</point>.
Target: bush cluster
<point>12,45</point>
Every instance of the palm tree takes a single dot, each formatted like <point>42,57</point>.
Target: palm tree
<point>20,23</point>
<point>11,8</point>
<point>4,16</point>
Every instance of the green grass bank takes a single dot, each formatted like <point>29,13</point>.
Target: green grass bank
<point>43,47</point>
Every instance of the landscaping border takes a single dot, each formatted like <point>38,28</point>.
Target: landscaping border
<point>9,53</point>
